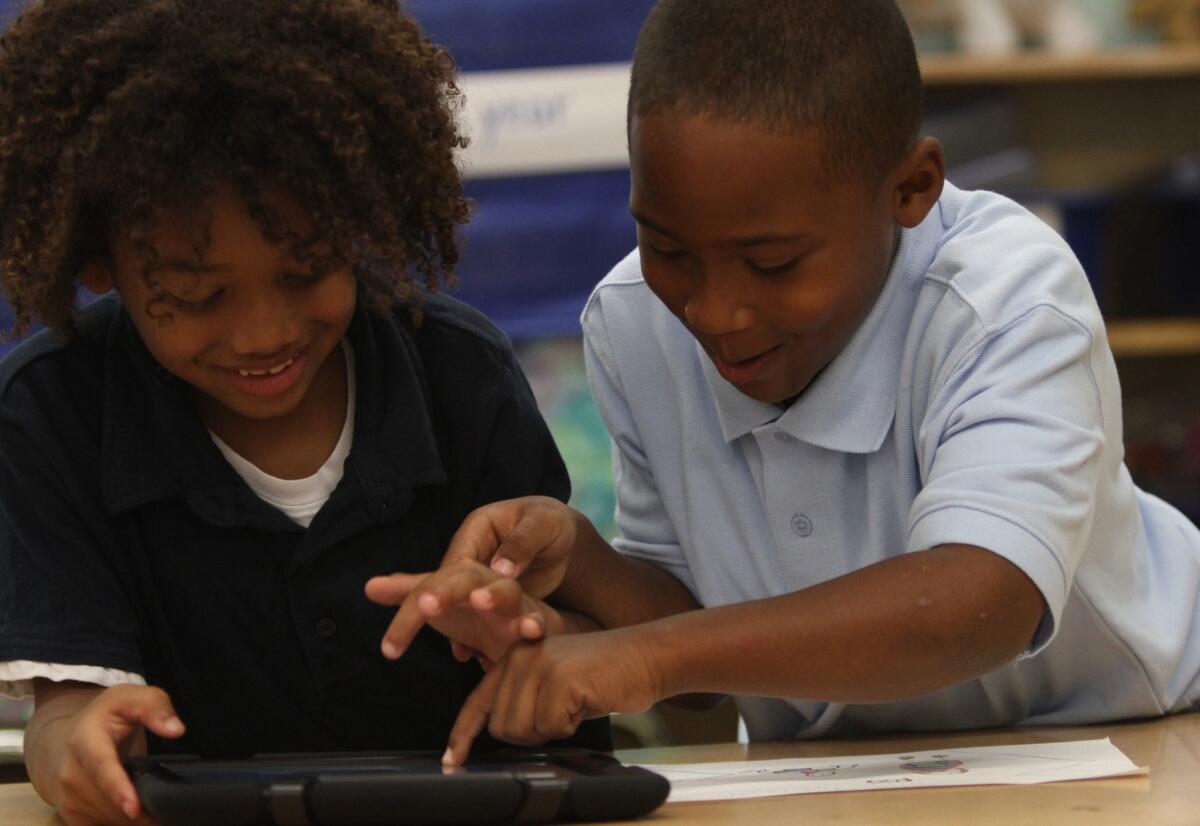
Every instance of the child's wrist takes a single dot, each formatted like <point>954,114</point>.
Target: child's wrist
<point>576,560</point>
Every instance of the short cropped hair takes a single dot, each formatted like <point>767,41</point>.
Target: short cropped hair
<point>111,110</point>
<point>847,68</point>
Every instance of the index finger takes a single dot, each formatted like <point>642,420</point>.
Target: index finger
<point>445,587</point>
<point>471,718</point>
<point>111,779</point>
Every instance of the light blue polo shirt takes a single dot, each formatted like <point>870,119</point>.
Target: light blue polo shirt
<point>978,404</point>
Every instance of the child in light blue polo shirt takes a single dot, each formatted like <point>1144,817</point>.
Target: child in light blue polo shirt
<point>868,422</point>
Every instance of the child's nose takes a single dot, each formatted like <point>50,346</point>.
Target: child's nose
<point>714,305</point>
<point>264,328</point>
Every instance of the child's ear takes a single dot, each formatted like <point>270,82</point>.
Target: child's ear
<point>919,181</point>
<point>96,276</point>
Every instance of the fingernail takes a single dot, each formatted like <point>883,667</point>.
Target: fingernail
<point>448,758</point>
<point>429,603</point>
<point>504,566</point>
<point>129,809</point>
<point>390,651</point>
<point>173,725</point>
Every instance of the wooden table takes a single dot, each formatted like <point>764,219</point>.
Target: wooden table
<point>1170,795</point>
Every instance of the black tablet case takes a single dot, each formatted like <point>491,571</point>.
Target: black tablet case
<point>388,789</point>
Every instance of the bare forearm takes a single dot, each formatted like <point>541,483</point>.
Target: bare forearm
<point>48,729</point>
<point>615,591</point>
<point>898,629</point>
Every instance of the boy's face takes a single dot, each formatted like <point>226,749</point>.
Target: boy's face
<point>243,320</point>
<point>770,261</point>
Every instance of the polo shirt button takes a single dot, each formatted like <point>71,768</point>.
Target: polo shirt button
<point>783,437</point>
<point>801,525</point>
<point>326,627</point>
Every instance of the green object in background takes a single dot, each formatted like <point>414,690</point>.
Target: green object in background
<point>1112,18</point>
<point>556,374</point>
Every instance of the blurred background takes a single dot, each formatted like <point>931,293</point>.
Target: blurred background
<point>1087,111</point>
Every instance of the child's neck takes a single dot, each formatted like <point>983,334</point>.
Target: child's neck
<point>292,446</point>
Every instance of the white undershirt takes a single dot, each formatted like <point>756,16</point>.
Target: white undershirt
<point>298,499</point>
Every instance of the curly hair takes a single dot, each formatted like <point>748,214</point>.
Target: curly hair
<point>111,110</point>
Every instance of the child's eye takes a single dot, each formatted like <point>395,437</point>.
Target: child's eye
<point>666,255</point>
<point>773,270</point>
<point>306,280</point>
<point>195,305</point>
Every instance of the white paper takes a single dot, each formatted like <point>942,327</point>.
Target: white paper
<point>990,765</point>
<point>10,741</point>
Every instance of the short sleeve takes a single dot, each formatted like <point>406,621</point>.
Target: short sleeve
<point>1012,451</point>
<point>645,531</point>
<point>63,598</point>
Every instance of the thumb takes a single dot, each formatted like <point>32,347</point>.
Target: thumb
<point>532,536</point>
<point>126,712</point>
<point>146,706</point>
<point>478,536</point>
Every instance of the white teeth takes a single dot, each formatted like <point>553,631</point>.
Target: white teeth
<point>271,372</point>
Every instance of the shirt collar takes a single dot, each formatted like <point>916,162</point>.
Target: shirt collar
<point>850,405</point>
<point>154,445</point>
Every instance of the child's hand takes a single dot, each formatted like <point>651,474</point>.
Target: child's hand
<point>530,539</point>
<point>90,786</point>
<point>543,690</point>
<point>481,612</point>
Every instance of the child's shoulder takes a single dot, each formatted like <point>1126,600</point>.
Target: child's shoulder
<point>999,261</point>
<point>623,291</point>
<point>452,336</point>
<point>444,315</point>
<point>447,321</point>
<point>46,357</point>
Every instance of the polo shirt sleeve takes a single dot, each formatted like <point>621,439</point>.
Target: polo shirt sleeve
<point>645,530</point>
<point>62,600</point>
<point>1011,452</point>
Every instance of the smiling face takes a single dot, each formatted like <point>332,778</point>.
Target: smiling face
<point>248,324</point>
<point>770,261</point>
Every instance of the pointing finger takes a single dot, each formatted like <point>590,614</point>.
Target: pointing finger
<point>471,718</point>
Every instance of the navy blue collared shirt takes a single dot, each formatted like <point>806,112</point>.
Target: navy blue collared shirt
<point>128,542</point>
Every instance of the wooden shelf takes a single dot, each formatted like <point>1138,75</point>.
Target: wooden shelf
<point>1154,337</point>
<point>945,70</point>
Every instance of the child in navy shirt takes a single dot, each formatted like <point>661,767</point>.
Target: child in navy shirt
<point>199,474</point>
<point>867,422</point>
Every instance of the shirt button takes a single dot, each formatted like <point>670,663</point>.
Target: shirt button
<point>784,438</point>
<point>801,525</point>
<point>326,627</point>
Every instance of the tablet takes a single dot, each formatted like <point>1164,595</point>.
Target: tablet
<point>392,788</point>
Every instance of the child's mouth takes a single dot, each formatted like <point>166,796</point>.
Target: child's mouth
<point>269,381</point>
<point>742,372</point>
<point>273,371</point>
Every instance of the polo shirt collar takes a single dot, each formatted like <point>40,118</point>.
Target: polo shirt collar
<point>154,445</point>
<point>850,405</point>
